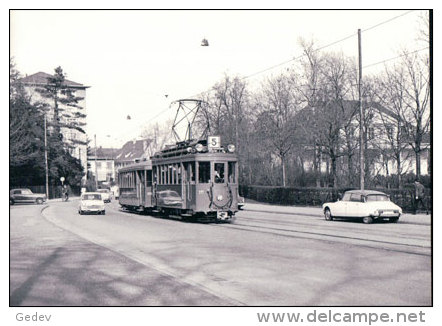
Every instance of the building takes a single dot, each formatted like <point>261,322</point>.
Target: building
<point>132,151</point>
<point>103,164</point>
<point>380,140</point>
<point>39,80</point>
<point>107,161</point>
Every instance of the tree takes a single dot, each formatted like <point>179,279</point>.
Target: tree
<point>67,113</point>
<point>416,97</point>
<point>393,142</point>
<point>335,109</point>
<point>26,160</point>
<point>159,136</point>
<point>310,70</point>
<point>277,106</point>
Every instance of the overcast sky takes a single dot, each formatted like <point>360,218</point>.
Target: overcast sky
<point>132,59</point>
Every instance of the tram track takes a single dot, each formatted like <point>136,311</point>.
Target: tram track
<point>332,226</point>
<point>327,237</point>
<point>287,229</point>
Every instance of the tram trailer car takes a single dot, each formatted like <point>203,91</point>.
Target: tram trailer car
<point>135,186</point>
<point>191,181</point>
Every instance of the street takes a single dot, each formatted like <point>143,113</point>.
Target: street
<point>270,256</point>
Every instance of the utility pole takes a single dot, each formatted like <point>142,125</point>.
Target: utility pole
<point>96,171</point>
<point>361,117</point>
<point>46,159</point>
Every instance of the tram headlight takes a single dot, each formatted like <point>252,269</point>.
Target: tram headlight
<point>219,198</point>
<point>231,148</point>
<point>189,149</point>
<point>199,147</point>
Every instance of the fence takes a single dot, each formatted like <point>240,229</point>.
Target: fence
<point>317,196</point>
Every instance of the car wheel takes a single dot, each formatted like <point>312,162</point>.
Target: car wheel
<point>80,212</point>
<point>394,219</point>
<point>11,201</point>
<point>367,219</point>
<point>103,212</point>
<point>39,201</point>
<point>327,214</point>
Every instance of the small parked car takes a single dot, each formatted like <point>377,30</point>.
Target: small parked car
<point>105,194</point>
<point>91,202</point>
<point>367,205</point>
<point>25,195</point>
<point>169,198</point>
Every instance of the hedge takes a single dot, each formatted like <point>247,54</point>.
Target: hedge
<point>318,196</point>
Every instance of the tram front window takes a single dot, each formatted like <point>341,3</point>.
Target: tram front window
<point>204,172</point>
<point>232,172</point>
<point>219,172</point>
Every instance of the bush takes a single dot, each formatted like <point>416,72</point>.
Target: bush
<point>317,196</point>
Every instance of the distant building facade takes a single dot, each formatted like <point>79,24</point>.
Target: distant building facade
<point>106,163</point>
<point>383,122</point>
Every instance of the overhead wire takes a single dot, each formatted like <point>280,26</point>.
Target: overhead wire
<point>318,49</point>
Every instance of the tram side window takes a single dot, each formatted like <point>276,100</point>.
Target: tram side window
<point>204,172</point>
<point>178,171</point>
<point>163,175</point>
<point>149,178</point>
<point>232,172</point>
<point>190,171</point>
<point>219,172</point>
<point>155,174</point>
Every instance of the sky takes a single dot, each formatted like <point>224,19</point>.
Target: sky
<point>132,59</point>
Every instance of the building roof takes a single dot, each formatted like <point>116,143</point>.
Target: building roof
<point>41,78</point>
<point>132,150</point>
<point>105,153</point>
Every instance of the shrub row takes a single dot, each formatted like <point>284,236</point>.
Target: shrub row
<point>317,196</point>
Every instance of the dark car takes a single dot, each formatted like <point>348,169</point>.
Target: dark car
<point>25,195</point>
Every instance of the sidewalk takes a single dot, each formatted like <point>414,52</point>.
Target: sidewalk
<point>317,212</point>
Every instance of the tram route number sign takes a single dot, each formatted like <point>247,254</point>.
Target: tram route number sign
<point>214,142</point>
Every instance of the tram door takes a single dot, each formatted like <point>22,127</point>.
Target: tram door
<point>141,187</point>
<point>188,184</point>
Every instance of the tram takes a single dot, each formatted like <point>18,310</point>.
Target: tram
<point>192,180</point>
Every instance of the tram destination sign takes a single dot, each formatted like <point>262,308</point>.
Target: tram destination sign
<point>214,142</point>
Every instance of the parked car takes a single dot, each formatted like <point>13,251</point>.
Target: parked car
<point>169,198</point>
<point>368,205</point>
<point>105,194</point>
<point>91,202</point>
<point>25,195</point>
<point>241,202</point>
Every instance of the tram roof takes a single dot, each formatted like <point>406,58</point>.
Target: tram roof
<point>136,166</point>
<point>192,150</point>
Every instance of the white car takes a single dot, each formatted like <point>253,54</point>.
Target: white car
<point>106,194</point>
<point>368,205</point>
<point>91,202</point>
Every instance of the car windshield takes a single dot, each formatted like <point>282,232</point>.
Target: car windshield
<point>91,197</point>
<point>103,190</point>
<point>377,197</point>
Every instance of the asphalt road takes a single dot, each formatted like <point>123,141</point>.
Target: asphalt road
<point>271,256</point>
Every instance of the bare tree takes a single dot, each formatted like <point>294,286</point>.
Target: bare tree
<point>160,135</point>
<point>278,105</point>
<point>416,92</point>
<point>336,111</point>
<point>390,93</point>
<point>310,74</point>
